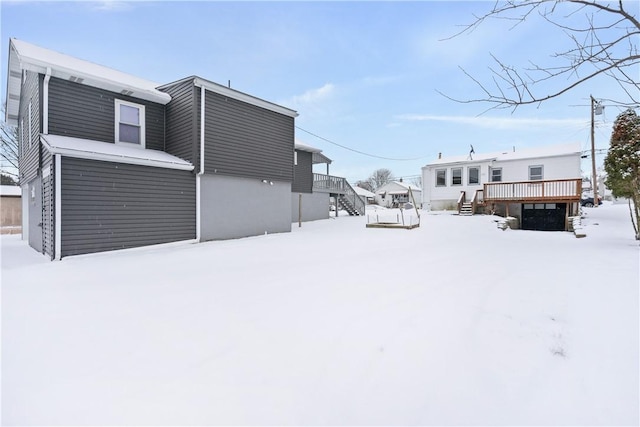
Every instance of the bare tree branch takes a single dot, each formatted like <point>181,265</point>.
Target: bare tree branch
<point>607,44</point>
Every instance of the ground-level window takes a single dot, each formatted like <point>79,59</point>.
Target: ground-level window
<point>441,178</point>
<point>473,175</point>
<point>456,176</point>
<point>535,173</point>
<point>496,174</point>
<point>129,123</point>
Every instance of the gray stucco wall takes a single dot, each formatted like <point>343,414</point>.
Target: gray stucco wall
<point>314,206</point>
<point>233,207</point>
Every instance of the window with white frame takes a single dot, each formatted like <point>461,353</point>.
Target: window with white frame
<point>535,173</point>
<point>496,174</point>
<point>441,178</point>
<point>473,175</point>
<point>456,176</point>
<point>129,123</point>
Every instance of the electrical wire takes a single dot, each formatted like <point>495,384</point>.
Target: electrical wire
<point>357,151</point>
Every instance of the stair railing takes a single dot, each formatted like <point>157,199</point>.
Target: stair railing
<point>461,200</point>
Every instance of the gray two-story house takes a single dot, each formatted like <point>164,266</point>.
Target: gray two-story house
<point>111,161</point>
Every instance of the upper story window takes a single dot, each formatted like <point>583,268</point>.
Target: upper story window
<point>441,178</point>
<point>129,123</point>
<point>535,173</point>
<point>496,174</point>
<point>473,175</point>
<point>456,176</point>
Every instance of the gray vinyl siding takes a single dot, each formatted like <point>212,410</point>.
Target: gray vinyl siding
<point>244,140</point>
<point>182,117</point>
<point>303,173</point>
<point>48,205</point>
<point>108,206</point>
<point>82,111</point>
<point>29,161</point>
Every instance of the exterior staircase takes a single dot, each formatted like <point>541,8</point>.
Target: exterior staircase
<point>348,206</point>
<point>466,209</point>
<point>339,188</point>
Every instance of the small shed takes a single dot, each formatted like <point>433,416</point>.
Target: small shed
<point>10,209</point>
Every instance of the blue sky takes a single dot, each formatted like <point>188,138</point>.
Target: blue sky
<point>364,75</point>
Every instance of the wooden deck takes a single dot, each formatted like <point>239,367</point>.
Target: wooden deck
<point>559,190</point>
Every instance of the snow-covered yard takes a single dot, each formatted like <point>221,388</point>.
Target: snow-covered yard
<point>453,323</point>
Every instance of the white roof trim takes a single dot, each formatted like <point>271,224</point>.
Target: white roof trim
<point>26,56</point>
<point>110,152</point>
<point>241,96</point>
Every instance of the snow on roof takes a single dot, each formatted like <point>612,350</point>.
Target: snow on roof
<point>304,147</point>
<point>110,152</point>
<point>518,154</point>
<point>10,190</point>
<point>362,192</point>
<point>403,185</point>
<point>27,56</point>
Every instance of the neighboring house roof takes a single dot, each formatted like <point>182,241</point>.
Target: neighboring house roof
<point>10,190</point>
<point>397,187</point>
<point>519,154</point>
<point>362,192</point>
<point>110,152</point>
<point>26,56</point>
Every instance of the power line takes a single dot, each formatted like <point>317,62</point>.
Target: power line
<point>357,151</point>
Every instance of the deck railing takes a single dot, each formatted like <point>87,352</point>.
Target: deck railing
<point>559,189</point>
<point>339,186</point>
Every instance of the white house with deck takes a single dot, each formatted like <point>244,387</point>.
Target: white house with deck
<point>540,186</point>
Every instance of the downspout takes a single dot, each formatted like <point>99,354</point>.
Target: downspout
<point>201,169</point>
<point>58,208</point>
<point>45,101</point>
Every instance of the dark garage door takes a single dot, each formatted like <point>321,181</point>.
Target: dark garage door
<point>544,216</point>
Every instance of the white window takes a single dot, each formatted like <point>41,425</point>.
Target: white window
<point>129,123</point>
<point>295,158</point>
<point>441,178</point>
<point>496,174</point>
<point>535,173</point>
<point>456,176</point>
<point>473,175</point>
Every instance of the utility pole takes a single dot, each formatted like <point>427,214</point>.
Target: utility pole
<point>594,182</point>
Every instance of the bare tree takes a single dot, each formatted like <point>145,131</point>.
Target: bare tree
<point>606,44</point>
<point>364,184</point>
<point>379,177</point>
<point>8,149</point>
